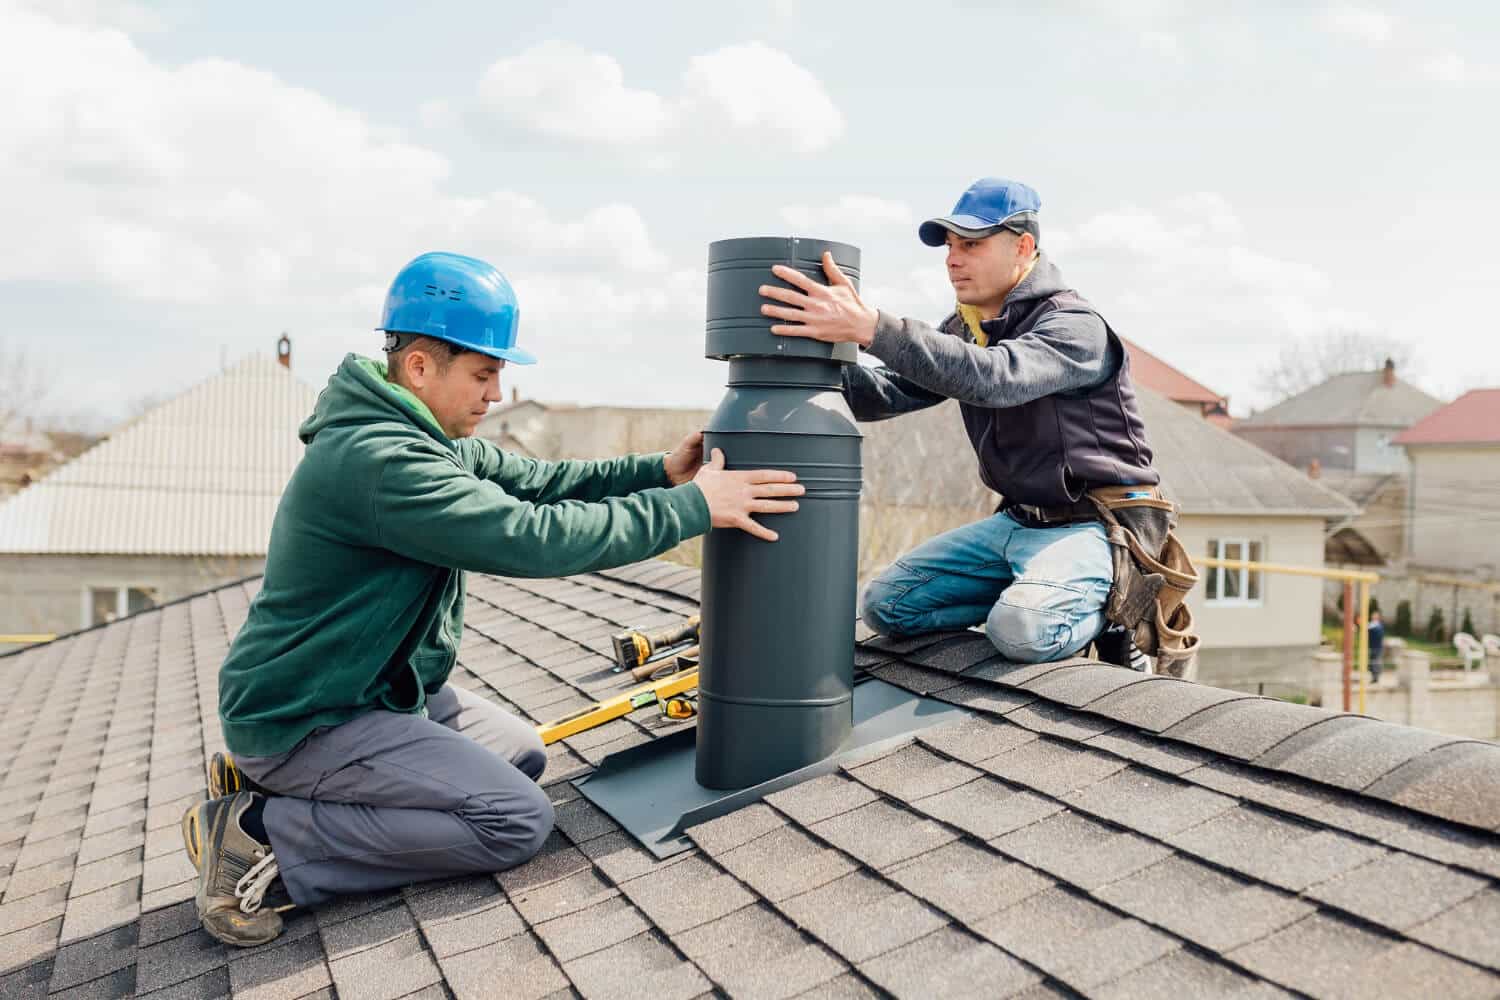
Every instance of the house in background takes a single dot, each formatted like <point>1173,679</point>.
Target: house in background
<point>179,500</point>
<point>1155,374</point>
<point>1343,432</point>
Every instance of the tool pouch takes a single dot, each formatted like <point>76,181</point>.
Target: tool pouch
<point>1152,575</point>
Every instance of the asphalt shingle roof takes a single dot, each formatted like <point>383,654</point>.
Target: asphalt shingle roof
<point>1086,831</point>
<point>1352,399</point>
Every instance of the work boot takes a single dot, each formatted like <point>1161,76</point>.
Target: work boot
<point>276,897</point>
<point>224,778</point>
<point>236,871</point>
<point>1116,645</point>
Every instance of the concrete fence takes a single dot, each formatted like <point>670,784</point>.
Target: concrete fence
<point>1448,701</point>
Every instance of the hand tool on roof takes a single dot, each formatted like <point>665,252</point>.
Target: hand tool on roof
<point>653,670</point>
<point>622,704</point>
<point>634,647</point>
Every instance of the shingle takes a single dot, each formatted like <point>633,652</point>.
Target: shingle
<point>1467,930</point>
<point>101,910</point>
<point>784,862</point>
<point>1397,890</point>
<point>1148,803</point>
<point>639,967</point>
<point>467,914</point>
<point>355,905</point>
<point>1060,721</point>
<point>520,962</point>
<point>1460,782</point>
<point>1184,974</point>
<point>1280,851</point>
<point>39,879</point>
<point>21,947</point>
<point>116,985</point>
<point>729,831</point>
<point>385,972</point>
<point>845,987</point>
<point>1080,850</point>
<point>949,963</point>
<point>955,655</point>
<point>1161,702</point>
<point>881,834</point>
<point>967,881</point>
<point>1327,956</point>
<point>1351,752</point>
<point>591,929</point>
<point>914,772</point>
<point>159,925</point>
<point>1204,905</point>
<point>177,960</point>
<point>989,699</point>
<point>1053,766</point>
<point>39,852</point>
<point>687,894</point>
<point>1149,751</point>
<point>108,844</point>
<point>25,982</point>
<point>1077,686</point>
<point>820,798</point>
<point>110,871</point>
<point>578,891</point>
<point>997,670</point>
<point>368,930</point>
<point>754,952</point>
<point>912,643</point>
<point>621,858</point>
<point>975,738</point>
<point>582,820</point>
<point>557,859</point>
<point>84,960</point>
<point>918,680</point>
<point>284,973</point>
<point>988,807</point>
<point>1075,939</point>
<point>1247,728</point>
<point>859,916</point>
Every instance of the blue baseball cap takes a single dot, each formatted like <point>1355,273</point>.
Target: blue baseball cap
<point>990,205</point>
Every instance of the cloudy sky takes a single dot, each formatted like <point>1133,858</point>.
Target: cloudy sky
<point>180,182</point>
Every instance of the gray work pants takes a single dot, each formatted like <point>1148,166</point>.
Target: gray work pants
<point>387,799</point>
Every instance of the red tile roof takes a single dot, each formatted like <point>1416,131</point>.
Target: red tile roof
<point>1473,418</point>
<point>1154,373</point>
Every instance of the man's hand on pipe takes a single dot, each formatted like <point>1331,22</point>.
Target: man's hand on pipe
<point>832,313</point>
<point>733,496</point>
<point>684,461</point>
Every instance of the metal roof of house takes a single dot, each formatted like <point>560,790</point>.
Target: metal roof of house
<point>1089,831</point>
<point>1155,374</point>
<point>1208,470</point>
<point>1353,399</point>
<point>198,475</point>
<point>1473,418</point>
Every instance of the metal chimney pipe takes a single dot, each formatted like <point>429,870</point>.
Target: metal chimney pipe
<point>775,686</point>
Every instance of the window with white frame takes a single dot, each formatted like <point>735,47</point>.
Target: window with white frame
<point>1234,587</point>
<point>105,604</point>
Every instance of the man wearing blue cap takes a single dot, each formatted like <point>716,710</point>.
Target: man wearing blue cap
<point>357,766</point>
<point>1044,388</point>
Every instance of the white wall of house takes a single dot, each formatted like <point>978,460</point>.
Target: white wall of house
<point>1454,515</point>
<point>1268,638</point>
<point>1374,452</point>
<point>51,593</point>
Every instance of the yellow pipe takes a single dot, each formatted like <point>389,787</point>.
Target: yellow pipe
<point>27,637</point>
<point>1364,640</point>
<point>1353,575</point>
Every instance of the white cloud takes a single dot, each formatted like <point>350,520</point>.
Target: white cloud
<point>1452,68</point>
<point>852,212</point>
<point>215,189</point>
<point>1362,24</point>
<point>751,92</point>
<point>562,89</point>
<point>1163,44</point>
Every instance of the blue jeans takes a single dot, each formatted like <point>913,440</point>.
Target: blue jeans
<point>1040,592</point>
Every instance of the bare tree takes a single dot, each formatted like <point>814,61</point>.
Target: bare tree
<point>1304,363</point>
<point>23,388</point>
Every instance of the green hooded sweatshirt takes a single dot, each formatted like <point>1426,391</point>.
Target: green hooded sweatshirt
<point>362,601</point>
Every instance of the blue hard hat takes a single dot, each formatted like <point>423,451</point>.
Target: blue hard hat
<point>458,299</point>
<point>988,206</point>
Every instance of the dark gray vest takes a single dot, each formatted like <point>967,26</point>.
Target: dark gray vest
<point>1047,452</point>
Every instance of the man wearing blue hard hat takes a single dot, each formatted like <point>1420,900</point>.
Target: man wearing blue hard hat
<point>356,765</point>
<point>1044,388</point>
